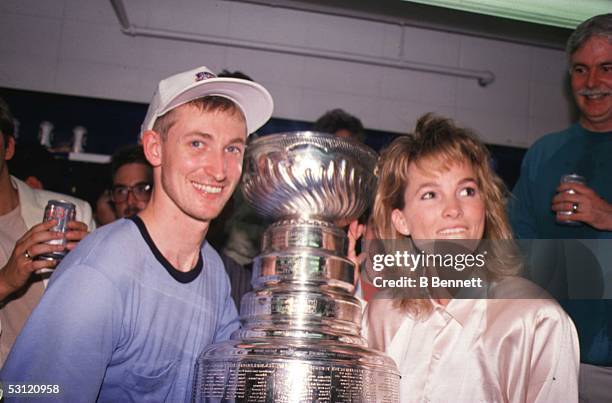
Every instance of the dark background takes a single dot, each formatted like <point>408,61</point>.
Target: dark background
<point>112,124</point>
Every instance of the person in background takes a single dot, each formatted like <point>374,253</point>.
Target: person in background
<point>105,209</point>
<point>130,309</point>
<point>341,124</point>
<point>23,238</point>
<point>542,207</point>
<point>132,183</point>
<point>497,345</point>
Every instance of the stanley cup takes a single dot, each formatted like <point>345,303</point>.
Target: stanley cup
<point>300,337</point>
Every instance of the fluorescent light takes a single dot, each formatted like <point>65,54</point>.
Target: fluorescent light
<point>560,13</point>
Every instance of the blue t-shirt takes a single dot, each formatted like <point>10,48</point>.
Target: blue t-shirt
<point>578,270</point>
<point>118,323</point>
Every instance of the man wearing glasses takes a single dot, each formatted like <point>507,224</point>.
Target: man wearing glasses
<point>132,181</point>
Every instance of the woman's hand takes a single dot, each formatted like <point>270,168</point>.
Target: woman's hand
<point>355,231</point>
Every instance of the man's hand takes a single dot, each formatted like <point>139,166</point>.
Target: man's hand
<point>77,230</point>
<point>589,207</point>
<point>21,263</point>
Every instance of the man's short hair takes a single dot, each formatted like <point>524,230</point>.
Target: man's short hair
<point>338,119</point>
<point>234,74</point>
<point>7,124</point>
<point>600,25</point>
<point>210,103</point>
<point>132,154</point>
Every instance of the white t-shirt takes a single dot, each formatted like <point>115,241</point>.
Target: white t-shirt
<point>14,313</point>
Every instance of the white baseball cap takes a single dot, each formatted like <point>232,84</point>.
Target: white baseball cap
<point>253,99</point>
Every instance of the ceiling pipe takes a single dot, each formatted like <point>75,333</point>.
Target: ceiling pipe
<point>483,77</point>
<point>122,16</point>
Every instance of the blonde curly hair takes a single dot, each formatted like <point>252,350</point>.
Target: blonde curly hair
<point>439,141</point>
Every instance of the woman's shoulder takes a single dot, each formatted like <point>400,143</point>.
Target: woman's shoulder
<point>520,299</point>
<point>515,287</point>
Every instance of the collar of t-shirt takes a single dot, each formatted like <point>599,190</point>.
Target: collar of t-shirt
<point>180,276</point>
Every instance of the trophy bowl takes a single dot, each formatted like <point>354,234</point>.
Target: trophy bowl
<point>309,174</point>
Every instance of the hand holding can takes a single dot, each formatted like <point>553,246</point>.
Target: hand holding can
<point>62,212</point>
<point>571,178</point>
<point>22,262</point>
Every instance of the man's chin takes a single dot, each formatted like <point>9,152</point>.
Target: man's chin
<point>204,215</point>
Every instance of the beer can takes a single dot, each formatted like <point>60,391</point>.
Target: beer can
<point>63,212</point>
<point>571,178</point>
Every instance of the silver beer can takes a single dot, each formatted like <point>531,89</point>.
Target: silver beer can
<point>63,212</point>
<point>571,178</point>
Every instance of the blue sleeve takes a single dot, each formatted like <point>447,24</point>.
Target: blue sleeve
<point>69,338</point>
<point>520,206</point>
<point>228,322</point>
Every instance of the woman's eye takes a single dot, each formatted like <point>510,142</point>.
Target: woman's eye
<point>468,191</point>
<point>428,195</point>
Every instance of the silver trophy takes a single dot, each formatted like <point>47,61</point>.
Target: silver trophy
<point>300,337</point>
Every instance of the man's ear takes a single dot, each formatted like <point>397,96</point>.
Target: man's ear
<point>10,147</point>
<point>152,147</point>
<point>399,222</point>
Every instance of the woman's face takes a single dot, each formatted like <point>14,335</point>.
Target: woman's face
<point>441,204</point>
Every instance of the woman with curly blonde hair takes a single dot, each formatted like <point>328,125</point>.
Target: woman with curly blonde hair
<point>437,186</point>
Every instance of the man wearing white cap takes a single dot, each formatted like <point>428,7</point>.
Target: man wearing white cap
<point>128,311</point>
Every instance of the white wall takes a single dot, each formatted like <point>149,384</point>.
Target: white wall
<point>76,47</point>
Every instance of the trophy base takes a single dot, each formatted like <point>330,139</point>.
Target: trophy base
<point>290,371</point>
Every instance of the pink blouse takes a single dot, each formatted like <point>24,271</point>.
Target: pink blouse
<point>479,350</point>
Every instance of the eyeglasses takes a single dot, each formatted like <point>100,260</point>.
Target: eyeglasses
<point>142,192</point>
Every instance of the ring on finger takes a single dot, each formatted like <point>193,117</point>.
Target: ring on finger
<point>27,255</point>
<point>575,207</point>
